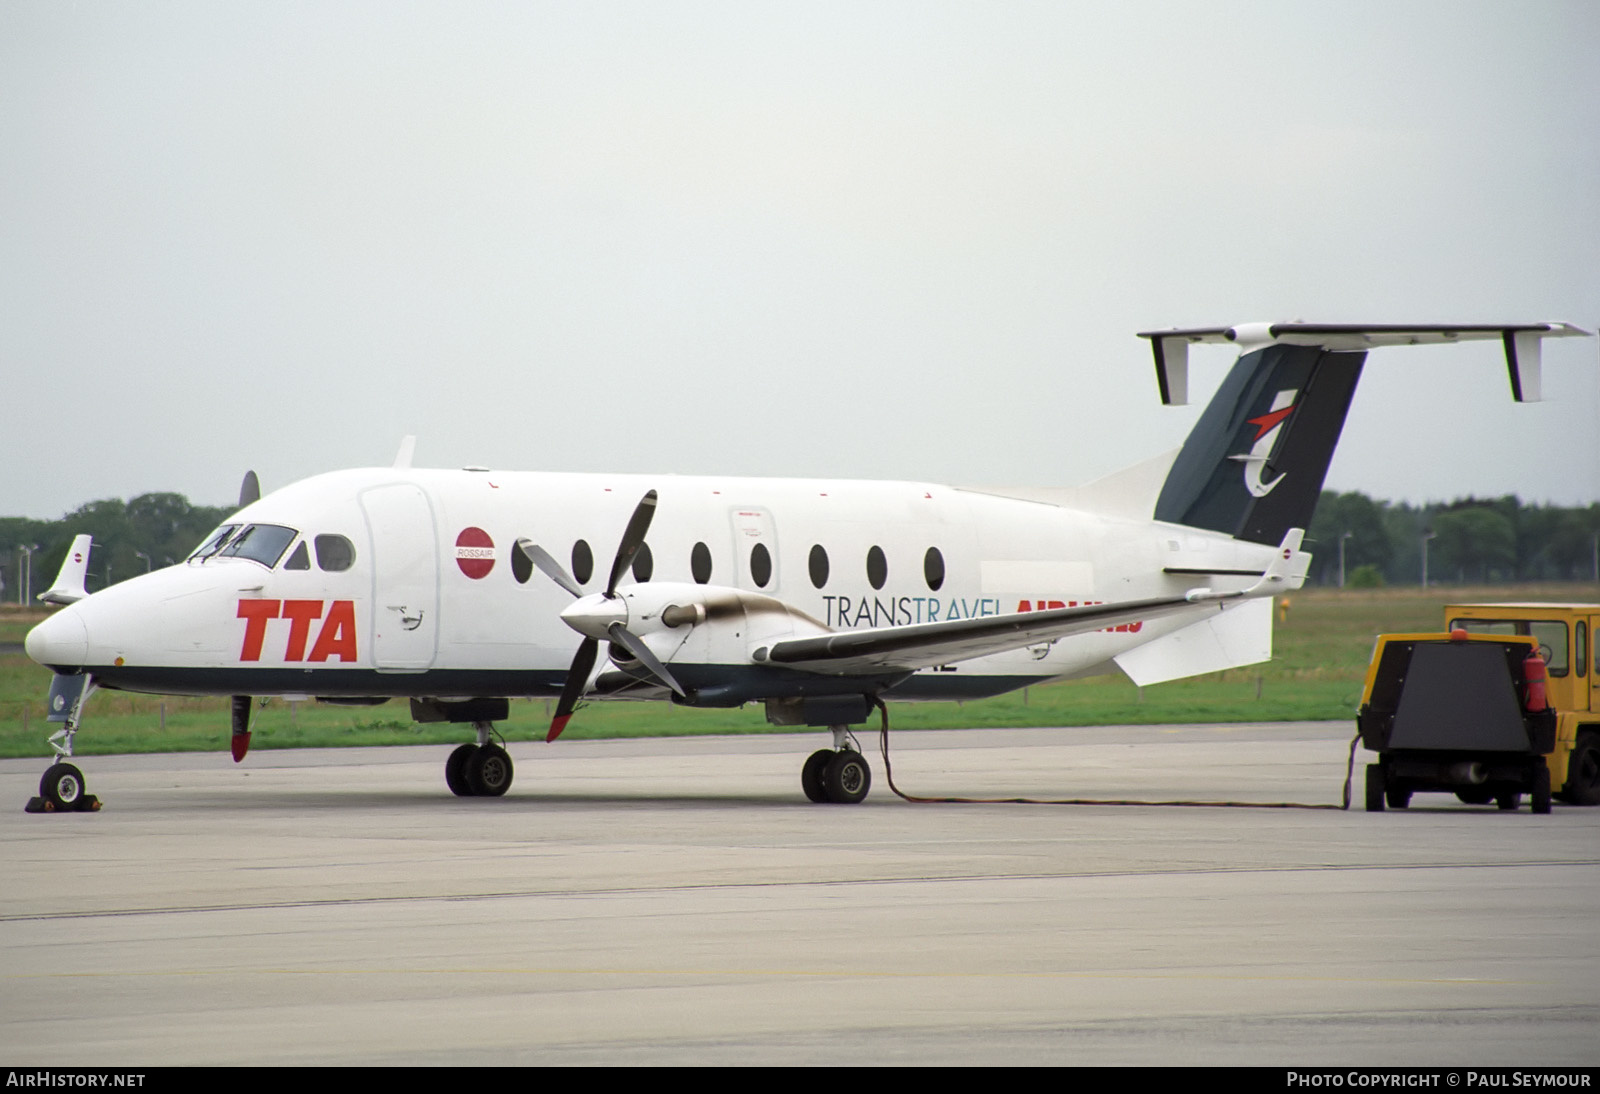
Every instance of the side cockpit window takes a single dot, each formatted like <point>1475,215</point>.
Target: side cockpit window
<point>335,554</point>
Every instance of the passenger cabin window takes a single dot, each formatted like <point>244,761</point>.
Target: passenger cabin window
<point>335,554</point>
<point>1551,634</point>
<point>760,565</point>
<point>300,559</point>
<point>644,563</point>
<point>818,563</point>
<point>700,563</point>
<point>877,567</point>
<point>263,543</point>
<point>582,562</point>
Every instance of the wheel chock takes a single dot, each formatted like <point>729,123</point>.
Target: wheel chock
<point>86,804</point>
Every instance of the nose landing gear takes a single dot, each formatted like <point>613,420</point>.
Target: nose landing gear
<point>62,787</point>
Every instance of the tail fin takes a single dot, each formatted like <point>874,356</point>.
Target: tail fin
<point>68,587</point>
<point>1254,464</point>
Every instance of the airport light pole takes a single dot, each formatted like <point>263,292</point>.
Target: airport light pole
<point>1342,538</point>
<point>1425,538</point>
<point>26,592</point>
<point>141,554</point>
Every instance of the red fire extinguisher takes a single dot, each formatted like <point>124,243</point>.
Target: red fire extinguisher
<point>1533,677</point>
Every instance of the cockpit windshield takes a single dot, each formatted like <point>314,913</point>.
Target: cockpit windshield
<point>213,543</point>
<point>263,543</point>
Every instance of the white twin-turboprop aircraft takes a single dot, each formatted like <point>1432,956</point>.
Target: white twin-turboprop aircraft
<point>462,589</point>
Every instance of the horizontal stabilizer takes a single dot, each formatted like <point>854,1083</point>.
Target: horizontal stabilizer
<point>1521,341</point>
<point>68,587</point>
<point>1242,635</point>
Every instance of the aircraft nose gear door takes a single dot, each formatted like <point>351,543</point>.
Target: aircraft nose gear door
<point>404,616</point>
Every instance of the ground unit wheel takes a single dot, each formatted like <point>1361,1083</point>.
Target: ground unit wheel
<point>1477,795</point>
<point>455,771</point>
<point>846,778</point>
<point>62,786</point>
<point>1508,799</point>
<point>1397,794</point>
<point>1583,771</point>
<point>1374,788</point>
<point>811,774</point>
<point>488,771</point>
<point>1539,794</point>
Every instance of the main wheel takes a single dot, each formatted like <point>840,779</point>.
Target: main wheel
<point>488,771</point>
<point>1374,788</point>
<point>1539,793</point>
<point>1583,771</point>
<point>62,786</point>
<point>811,774</point>
<point>455,771</point>
<point>846,778</point>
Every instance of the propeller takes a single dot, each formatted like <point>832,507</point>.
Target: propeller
<point>599,615</point>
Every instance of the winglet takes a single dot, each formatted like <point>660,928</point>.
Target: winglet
<point>408,446</point>
<point>68,588</point>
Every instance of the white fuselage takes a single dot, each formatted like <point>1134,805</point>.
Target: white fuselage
<point>436,602</point>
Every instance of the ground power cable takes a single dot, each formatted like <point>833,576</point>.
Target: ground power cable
<point>888,772</point>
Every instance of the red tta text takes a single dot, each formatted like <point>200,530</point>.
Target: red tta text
<point>336,636</point>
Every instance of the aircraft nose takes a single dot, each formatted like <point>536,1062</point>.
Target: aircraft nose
<point>62,641</point>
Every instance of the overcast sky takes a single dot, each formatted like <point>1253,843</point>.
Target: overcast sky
<point>865,240</point>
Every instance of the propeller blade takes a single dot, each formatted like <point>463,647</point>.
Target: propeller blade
<point>632,539</point>
<point>631,642</point>
<point>572,690</point>
<point>548,566</point>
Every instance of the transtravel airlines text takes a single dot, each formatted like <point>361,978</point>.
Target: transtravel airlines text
<point>1472,1080</point>
<point>846,611</point>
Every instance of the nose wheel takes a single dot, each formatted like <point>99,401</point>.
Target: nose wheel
<point>61,790</point>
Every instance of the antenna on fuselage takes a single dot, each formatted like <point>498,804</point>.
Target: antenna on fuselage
<point>408,445</point>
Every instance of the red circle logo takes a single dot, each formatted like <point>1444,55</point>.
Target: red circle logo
<point>475,552</point>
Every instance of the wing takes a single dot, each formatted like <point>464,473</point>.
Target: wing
<point>924,645</point>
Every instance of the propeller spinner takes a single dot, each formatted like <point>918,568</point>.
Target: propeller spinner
<point>599,616</point>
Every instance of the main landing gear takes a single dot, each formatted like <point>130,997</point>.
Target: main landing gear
<point>839,774</point>
<point>481,770</point>
<point>62,788</point>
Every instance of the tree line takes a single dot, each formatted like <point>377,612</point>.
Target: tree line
<point>1467,541</point>
<point>1470,540</point>
<point>130,537</point>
